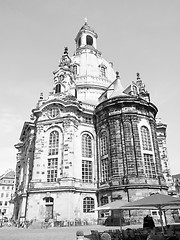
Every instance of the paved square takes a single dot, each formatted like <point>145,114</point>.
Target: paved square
<point>56,233</point>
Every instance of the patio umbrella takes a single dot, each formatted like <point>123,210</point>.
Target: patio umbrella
<point>112,206</point>
<point>156,200</point>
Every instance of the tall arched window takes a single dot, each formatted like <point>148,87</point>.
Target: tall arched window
<point>146,140</point>
<point>89,40</point>
<point>149,164</point>
<point>86,145</point>
<point>54,143</point>
<point>75,69</point>
<point>103,144</point>
<point>104,157</point>
<point>87,166</point>
<point>104,170</point>
<point>58,88</point>
<point>88,204</point>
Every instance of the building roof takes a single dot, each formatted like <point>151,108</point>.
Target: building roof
<point>8,174</point>
<point>176,175</point>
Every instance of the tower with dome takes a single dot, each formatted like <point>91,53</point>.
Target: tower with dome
<point>66,166</point>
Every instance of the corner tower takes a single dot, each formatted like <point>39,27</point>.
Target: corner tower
<point>129,165</point>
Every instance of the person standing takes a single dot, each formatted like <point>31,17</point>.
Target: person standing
<point>148,222</point>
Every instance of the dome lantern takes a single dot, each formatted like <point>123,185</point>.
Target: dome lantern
<point>86,36</point>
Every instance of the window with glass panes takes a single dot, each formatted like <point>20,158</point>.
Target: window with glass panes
<point>88,205</point>
<point>103,144</point>
<point>52,170</point>
<point>87,171</point>
<point>104,170</point>
<point>86,145</point>
<point>128,135</point>
<point>53,143</point>
<point>103,71</point>
<point>146,140</point>
<point>150,169</point>
<point>49,200</point>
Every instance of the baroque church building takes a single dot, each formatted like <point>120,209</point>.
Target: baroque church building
<point>88,143</point>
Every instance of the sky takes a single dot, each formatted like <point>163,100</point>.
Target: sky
<point>136,35</point>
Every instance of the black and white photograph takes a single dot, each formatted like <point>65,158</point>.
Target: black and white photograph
<point>89,116</point>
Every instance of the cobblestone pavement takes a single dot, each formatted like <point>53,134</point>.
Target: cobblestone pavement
<point>56,233</point>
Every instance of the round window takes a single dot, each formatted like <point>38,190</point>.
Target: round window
<point>54,112</point>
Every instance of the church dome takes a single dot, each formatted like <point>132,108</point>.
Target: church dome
<point>93,74</point>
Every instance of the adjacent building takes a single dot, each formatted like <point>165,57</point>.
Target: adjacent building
<point>161,129</point>
<point>6,191</point>
<point>89,142</point>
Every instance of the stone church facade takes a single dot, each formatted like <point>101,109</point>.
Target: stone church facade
<point>88,143</point>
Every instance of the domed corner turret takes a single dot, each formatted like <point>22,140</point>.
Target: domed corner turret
<point>86,37</point>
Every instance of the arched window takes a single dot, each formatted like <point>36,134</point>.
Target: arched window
<point>53,143</point>
<point>104,170</point>
<point>61,77</point>
<point>146,140</point>
<point>75,69</point>
<point>88,204</point>
<point>103,144</point>
<point>129,146</point>
<point>58,88</point>
<point>86,146</point>
<point>104,200</point>
<point>103,71</point>
<point>89,40</point>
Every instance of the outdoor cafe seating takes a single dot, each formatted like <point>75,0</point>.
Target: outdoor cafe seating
<point>170,233</point>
